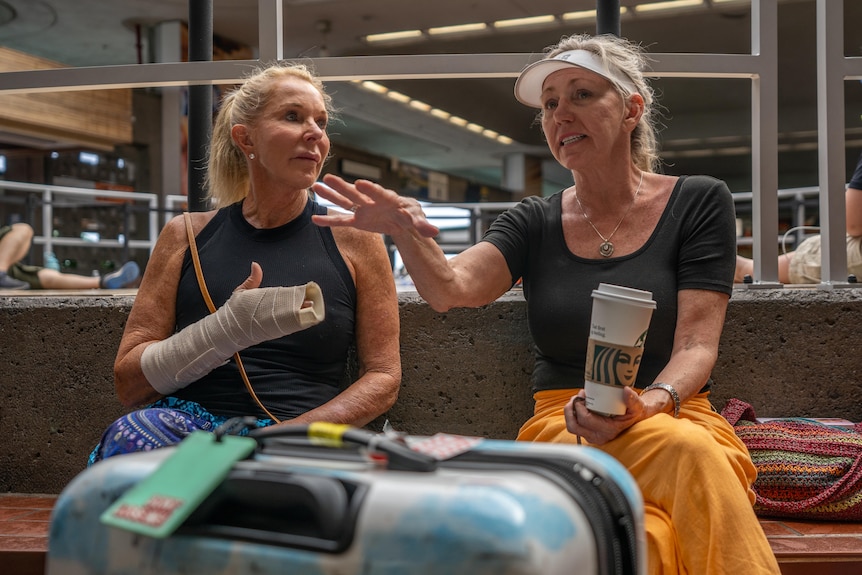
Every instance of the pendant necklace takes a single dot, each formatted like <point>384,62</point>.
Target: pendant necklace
<point>606,248</point>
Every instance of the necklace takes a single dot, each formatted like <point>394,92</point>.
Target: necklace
<point>606,248</point>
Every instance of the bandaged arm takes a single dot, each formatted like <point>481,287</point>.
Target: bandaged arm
<point>249,317</point>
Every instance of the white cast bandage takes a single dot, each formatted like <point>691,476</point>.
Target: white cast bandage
<point>249,317</point>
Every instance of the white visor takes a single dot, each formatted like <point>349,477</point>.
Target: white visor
<point>528,86</point>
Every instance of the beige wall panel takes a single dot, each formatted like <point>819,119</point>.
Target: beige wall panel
<point>98,118</point>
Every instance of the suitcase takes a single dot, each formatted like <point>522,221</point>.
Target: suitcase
<point>372,504</point>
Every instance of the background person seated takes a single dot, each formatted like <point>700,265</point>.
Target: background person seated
<point>15,243</point>
<point>802,266</point>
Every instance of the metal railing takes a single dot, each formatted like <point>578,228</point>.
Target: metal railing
<point>798,202</point>
<point>47,198</point>
<point>462,224</point>
<point>174,206</point>
<point>760,66</point>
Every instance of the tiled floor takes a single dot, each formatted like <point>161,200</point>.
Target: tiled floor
<point>802,548</point>
<point>815,548</point>
<point>24,533</point>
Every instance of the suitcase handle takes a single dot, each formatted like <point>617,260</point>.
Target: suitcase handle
<point>399,456</point>
<point>280,507</point>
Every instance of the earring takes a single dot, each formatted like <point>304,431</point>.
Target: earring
<point>251,156</point>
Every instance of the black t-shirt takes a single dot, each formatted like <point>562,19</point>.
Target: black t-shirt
<point>291,374</point>
<point>692,247</point>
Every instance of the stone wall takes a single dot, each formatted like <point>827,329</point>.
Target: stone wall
<point>787,352</point>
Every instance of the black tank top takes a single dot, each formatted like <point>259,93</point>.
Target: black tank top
<point>292,374</point>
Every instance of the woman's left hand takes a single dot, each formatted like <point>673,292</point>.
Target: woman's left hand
<point>373,208</point>
<point>598,429</point>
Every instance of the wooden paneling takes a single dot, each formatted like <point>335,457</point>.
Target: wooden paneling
<point>92,118</point>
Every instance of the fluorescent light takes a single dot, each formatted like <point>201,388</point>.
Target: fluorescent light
<point>587,14</point>
<point>436,112</point>
<point>669,5</point>
<point>374,87</point>
<point>390,36</point>
<point>457,29</point>
<point>582,15</point>
<point>398,96</point>
<point>420,105</point>
<point>532,21</point>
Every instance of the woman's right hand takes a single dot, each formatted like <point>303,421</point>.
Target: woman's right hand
<point>599,429</point>
<point>372,208</point>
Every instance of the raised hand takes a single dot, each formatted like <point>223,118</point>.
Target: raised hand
<point>372,208</point>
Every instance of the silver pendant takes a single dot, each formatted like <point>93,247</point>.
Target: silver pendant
<point>606,249</point>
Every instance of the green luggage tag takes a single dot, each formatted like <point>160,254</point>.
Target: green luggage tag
<point>160,503</point>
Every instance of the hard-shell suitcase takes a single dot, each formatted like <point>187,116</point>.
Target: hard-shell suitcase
<point>373,505</point>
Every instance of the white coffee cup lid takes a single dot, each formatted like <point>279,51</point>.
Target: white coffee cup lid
<point>632,295</point>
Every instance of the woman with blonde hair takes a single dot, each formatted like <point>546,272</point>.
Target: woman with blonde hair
<point>292,300</point>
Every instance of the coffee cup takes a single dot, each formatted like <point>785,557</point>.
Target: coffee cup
<point>618,328</point>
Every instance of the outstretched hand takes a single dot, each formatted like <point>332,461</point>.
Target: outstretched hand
<point>372,208</point>
<point>598,429</point>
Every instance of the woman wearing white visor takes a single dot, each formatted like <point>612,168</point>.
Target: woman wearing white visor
<point>620,223</point>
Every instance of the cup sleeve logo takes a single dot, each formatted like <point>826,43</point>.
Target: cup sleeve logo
<point>611,364</point>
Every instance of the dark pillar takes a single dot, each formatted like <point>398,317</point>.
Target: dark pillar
<point>200,101</point>
<point>608,17</point>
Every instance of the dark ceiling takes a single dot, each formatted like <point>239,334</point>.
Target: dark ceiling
<point>702,117</point>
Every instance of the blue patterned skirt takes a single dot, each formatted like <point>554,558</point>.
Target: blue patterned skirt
<point>165,422</point>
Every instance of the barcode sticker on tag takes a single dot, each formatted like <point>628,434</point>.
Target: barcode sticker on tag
<point>444,446</point>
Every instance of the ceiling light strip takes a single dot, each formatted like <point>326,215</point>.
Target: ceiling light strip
<point>374,87</point>
<point>458,29</point>
<point>436,112</point>
<point>582,15</point>
<point>667,5</point>
<point>535,21</point>
<point>523,22</point>
<point>398,96</point>
<point>394,36</point>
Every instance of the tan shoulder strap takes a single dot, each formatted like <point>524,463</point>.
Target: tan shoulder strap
<point>193,248</point>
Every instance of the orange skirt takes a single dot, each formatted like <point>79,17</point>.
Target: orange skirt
<point>695,476</point>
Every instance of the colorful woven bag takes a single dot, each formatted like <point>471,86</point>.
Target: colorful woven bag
<point>805,469</point>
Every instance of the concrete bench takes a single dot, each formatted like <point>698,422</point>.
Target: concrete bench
<point>786,352</point>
